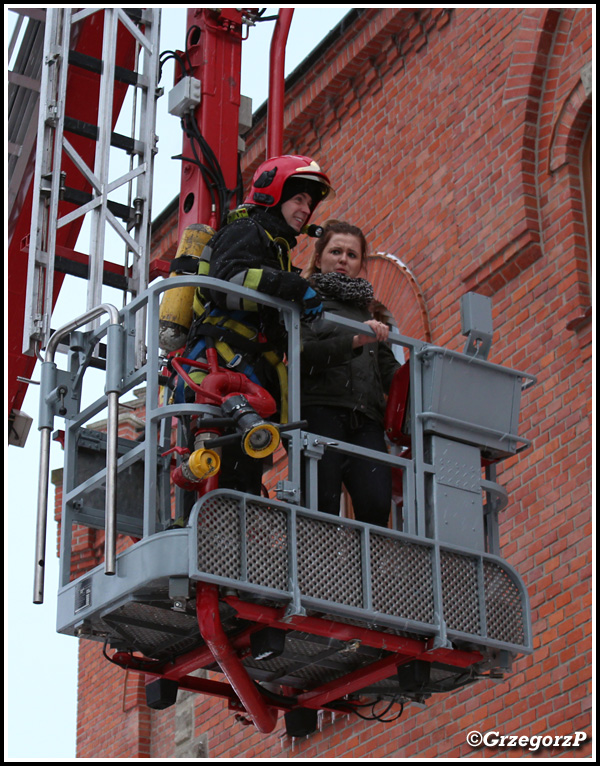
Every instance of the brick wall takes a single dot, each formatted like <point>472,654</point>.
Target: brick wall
<point>453,138</point>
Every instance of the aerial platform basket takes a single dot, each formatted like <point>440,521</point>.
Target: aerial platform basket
<point>337,606</point>
<point>281,607</point>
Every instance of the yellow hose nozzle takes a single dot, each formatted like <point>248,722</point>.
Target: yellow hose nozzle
<point>204,463</point>
<point>260,441</point>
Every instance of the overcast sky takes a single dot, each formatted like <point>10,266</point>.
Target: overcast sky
<point>40,665</point>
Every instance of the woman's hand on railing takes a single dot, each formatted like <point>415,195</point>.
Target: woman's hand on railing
<point>381,330</point>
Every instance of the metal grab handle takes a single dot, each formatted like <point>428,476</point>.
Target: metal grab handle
<point>44,471</point>
<point>42,513</point>
<point>110,508</point>
<point>486,430</point>
<point>218,441</point>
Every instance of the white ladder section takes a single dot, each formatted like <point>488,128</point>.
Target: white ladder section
<point>107,179</point>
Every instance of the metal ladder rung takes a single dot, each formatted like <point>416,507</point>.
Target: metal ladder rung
<point>95,65</point>
<point>78,197</point>
<point>86,130</point>
<point>80,269</point>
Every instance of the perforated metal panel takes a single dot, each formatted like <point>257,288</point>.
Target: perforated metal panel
<point>219,538</point>
<point>354,573</point>
<point>402,579</point>
<point>503,605</point>
<point>460,592</point>
<point>329,561</point>
<point>267,543</point>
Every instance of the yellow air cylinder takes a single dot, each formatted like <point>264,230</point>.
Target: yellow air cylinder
<point>176,308</point>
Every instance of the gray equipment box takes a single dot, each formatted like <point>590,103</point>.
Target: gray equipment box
<point>471,400</point>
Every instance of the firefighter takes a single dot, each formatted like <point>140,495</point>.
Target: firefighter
<point>345,376</point>
<point>254,250</point>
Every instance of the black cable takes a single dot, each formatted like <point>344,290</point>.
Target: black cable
<point>203,170</point>
<point>259,17</point>
<point>187,39</point>
<point>213,183</point>
<point>165,56</point>
<point>211,178</point>
<point>239,190</point>
<point>193,132</point>
<point>184,63</point>
<point>136,663</point>
<point>210,168</point>
<point>281,699</point>
<point>225,194</point>
<point>213,168</point>
<point>343,707</point>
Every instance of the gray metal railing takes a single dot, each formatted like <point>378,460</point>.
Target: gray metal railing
<point>347,570</point>
<point>55,388</point>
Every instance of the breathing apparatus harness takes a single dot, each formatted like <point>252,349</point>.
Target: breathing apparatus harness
<point>237,341</point>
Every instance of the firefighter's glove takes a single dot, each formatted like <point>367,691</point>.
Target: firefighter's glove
<point>312,308</point>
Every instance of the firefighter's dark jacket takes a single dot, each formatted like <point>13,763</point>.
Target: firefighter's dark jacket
<point>254,252</point>
<point>336,375</point>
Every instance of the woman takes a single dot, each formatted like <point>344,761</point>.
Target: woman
<point>345,376</point>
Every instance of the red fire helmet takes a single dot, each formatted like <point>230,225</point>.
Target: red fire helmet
<point>271,176</point>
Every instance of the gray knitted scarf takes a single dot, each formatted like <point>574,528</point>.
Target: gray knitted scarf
<point>343,288</point>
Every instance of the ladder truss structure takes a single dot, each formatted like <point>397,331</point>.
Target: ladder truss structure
<point>93,61</point>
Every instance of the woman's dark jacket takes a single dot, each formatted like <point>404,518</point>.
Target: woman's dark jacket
<point>334,374</point>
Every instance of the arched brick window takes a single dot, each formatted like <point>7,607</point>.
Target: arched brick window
<point>570,168</point>
<point>586,188</point>
<point>398,290</point>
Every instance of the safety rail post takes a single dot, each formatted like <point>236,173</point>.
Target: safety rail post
<point>114,379</point>
<point>418,524</point>
<point>49,396</point>
<point>46,418</point>
<point>292,317</point>
<point>152,400</point>
<point>365,564</point>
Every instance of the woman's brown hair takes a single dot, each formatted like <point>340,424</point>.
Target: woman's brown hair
<point>332,227</point>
